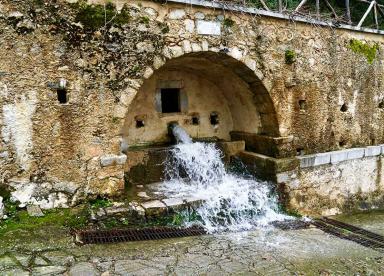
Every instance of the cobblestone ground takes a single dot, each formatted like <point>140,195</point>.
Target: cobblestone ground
<point>50,251</point>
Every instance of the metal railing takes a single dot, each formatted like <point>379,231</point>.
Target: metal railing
<point>313,11</point>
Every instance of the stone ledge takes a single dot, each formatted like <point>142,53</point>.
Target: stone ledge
<point>111,159</point>
<point>335,157</point>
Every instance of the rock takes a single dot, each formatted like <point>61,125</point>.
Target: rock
<point>48,270</point>
<point>176,51</point>
<point>67,187</point>
<point>34,211</point>
<point>15,15</point>
<point>25,26</point>
<point>208,27</point>
<point>174,203</point>
<point>142,194</point>
<point>158,62</point>
<point>63,68</point>
<point>189,25</point>
<point>154,207</point>
<point>177,14</point>
<point>148,73</point>
<point>145,46</point>
<point>151,12</point>
<point>109,160</point>
<point>186,46</point>
<point>16,271</point>
<point>117,210</point>
<point>112,47</point>
<point>59,258</point>
<point>137,208</point>
<point>199,15</point>
<point>83,269</point>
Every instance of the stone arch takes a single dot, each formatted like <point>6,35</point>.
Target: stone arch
<point>219,69</point>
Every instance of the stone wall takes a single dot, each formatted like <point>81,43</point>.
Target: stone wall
<point>53,154</point>
<point>335,182</point>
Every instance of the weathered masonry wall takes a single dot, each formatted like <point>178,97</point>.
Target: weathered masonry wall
<point>327,96</point>
<point>333,182</point>
<point>326,183</point>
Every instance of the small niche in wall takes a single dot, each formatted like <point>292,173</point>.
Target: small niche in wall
<point>381,104</point>
<point>302,105</point>
<point>342,143</point>
<point>214,118</point>
<point>300,151</point>
<point>344,108</point>
<point>62,96</point>
<point>195,119</point>
<point>139,123</point>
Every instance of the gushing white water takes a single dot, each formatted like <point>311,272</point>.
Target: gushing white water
<point>181,135</point>
<point>230,202</point>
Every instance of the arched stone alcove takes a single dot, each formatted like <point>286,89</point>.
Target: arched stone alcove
<point>209,94</point>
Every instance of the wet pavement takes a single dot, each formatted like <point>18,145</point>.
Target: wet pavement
<point>51,251</point>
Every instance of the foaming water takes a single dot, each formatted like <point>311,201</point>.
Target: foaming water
<point>230,202</point>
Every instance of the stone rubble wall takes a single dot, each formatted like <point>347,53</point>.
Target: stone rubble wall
<point>78,146</point>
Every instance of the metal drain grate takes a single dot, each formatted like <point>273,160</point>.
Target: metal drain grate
<point>115,236</point>
<point>350,232</point>
<point>355,229</point>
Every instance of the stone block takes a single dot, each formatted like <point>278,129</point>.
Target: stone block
<point>208,27</point>
<point>355,153</point>
<point>282,177</point>
<point>382,149</point>
<point>34,211</point>
<point>338,156</point>
<point>83,269</point>
<point>111,159</point>
<point>177,14</point>
<point>174,203</point>
<point>283,165</point>
<point>194,202</point>
<point>372,151</point>
<point>154,207</point>
<point>314,159</point>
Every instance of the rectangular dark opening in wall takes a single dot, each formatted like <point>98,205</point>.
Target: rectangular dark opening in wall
<point>170,100</point>
<point>62,96</point>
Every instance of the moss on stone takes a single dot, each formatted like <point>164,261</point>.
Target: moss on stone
<point>94,17</point>
<point>144,20</point>
<point>100,203</point>
<point>228,22</point>
<point>290,56</point>
<point>359,47</point>
<point>71,218</point>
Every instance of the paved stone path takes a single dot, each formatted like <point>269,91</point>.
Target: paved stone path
<point>50,251</point>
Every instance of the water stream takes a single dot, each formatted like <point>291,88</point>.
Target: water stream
<point>230,201</point>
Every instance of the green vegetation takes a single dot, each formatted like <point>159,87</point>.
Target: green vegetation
<point>100,203</point>
<point>71,218</point>
<point>290,56</point>
<point>94,17</point>
<point>364,49</point>
<point>228,22</point>
<point>144,20</point>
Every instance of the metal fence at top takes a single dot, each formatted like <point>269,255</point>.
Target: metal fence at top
<point>364,14</point>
